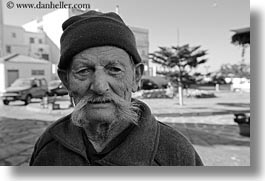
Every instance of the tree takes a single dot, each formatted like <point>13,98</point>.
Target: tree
<point>242,38</point>
<point>235,70</point>
<point>179,60</point>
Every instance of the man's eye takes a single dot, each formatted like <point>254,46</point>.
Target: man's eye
<point>83,71</point>
<point>115,69</point>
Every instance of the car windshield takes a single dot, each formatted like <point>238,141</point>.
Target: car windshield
<point>54,83</point>
<point>21,83</point>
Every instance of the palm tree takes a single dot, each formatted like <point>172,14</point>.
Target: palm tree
<point>180,60</point>
<point>242,38</point>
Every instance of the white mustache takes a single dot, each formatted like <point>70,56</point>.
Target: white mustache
<point>107,98</point>
<point>127,110</point>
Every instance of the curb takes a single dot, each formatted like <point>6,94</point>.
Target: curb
<point>38,108</point>
<point>191,114</point>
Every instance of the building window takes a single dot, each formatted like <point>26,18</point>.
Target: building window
<point>40,41</point>
<point>37,72</point>
<point>8,49</point>
<point>31,40</point>
<point>14,35</point>
<point>40,49</point>
<point>45,56</point>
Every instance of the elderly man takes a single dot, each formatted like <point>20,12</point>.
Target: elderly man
<point>100,67</point>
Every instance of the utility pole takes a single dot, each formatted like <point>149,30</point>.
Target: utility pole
<point>180,86</point>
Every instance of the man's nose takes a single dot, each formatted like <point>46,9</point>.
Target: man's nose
<point>99,85</point>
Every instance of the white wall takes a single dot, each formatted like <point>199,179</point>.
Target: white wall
<point>51,24</point>
<point>36,51</point>
<point>34,48</point>
<point>20,43</point>
<point>14,37</point>
<point>20,49</point>
<point>2,77</point>
<point>142,42</point>
<point>36,36</point>
<point>17,31</point>
<point>54,51</point>
<point>25,70</point>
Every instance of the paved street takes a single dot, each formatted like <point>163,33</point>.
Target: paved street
<point>207,123</point>
<point>17,138</point>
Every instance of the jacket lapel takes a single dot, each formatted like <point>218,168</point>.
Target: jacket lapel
<point>140,147</point>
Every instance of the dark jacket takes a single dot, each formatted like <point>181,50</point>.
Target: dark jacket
<point>152,143</point>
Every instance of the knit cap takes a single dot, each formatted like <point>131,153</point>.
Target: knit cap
<point>94,29</point>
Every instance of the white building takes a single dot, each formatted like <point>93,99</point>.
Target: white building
<point>24,54</point>
<point>15,66</point>
<point>142,42</point>
<point>17,40</point>
<point>1,29</point>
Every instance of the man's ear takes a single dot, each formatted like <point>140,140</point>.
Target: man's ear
<point>64,77</point>
<point>139,70</point>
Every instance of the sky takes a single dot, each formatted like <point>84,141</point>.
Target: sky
<point>170,22</point>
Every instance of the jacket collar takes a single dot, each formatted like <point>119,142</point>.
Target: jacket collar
<point>139,147</point>
<point>69,135</point>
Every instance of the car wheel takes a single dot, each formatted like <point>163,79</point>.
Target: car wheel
<point>28,99</point>
<point>5,102</point>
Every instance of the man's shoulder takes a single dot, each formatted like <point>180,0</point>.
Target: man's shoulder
<point>172,137</point>
<point>174,148</point>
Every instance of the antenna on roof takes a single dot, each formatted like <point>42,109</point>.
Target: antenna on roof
<point>117,9</point>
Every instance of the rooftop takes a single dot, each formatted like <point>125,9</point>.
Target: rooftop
<point>22,59</point>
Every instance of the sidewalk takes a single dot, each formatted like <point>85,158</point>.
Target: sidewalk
<point>217,144</point>
<point>225,103</point>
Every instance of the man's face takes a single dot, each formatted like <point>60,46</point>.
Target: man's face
<point>106,77</point>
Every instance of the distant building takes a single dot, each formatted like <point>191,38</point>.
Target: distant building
<point>1,29</point>
<point>22,54</point>
<point>17,40</point>
<point>142,42</point>
<point>51,25</point>
<point>14,66</point>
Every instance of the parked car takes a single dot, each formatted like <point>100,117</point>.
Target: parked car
<point>149,83</point>
<point>25,89</point>
<point>241,84</point>
<point>56,88</point>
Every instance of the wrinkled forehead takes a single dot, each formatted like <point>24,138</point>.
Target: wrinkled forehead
<point>103,55</point>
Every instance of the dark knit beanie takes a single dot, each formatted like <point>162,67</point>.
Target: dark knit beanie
<point>94,29</point>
